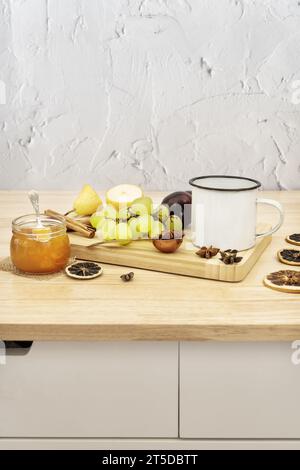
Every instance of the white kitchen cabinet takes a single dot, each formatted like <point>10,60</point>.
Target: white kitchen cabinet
<point>238,390</point>
<point>91,390</point>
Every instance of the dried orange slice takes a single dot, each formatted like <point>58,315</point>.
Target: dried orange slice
<point>294,239</point>
<point>284,281</point>
<point>289,256</point>
<point>84,270</point>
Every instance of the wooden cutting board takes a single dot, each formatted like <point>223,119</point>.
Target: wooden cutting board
<point>143,255</point>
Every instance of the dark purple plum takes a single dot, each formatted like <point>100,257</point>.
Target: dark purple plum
<point>180,204</point>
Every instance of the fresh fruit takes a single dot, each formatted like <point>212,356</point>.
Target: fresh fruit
<point>141,206</point>
<point>97,219</point>
<point>84,270</point>
<point>174,223</point>
<point>156,229</point>
<point>110,212</point>
<point>123,213</point>
<point>133,223</point>
<point>124,194</point>
<point>144,224</point>
<point>108,230</point>
<point>161,212</point>
<point>167,245</point>
<point>123,233</point>
<point>180,204</point>
<point>87,202</point>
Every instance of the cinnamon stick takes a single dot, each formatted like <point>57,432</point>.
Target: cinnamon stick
<point>84,219</point>
<point>72,224</point>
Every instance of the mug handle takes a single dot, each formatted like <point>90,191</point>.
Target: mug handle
<point>279,207</point>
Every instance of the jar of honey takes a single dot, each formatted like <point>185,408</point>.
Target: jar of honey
<point>39,248</point>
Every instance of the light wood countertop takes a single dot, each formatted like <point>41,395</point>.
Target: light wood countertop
<point>154,306</point>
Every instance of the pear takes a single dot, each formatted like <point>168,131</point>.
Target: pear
<point>123,195</point>
<point>87,202</point>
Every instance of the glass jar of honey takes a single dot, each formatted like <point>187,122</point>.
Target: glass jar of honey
<point>39,249</point>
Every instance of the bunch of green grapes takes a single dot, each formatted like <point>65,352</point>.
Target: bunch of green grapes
<point>139,221</point>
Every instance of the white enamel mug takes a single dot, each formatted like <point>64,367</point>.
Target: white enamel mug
<point>224,212</point>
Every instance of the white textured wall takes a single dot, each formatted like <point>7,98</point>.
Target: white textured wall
<point>148,91</point>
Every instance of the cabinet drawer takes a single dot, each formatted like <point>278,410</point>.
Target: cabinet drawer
<point>91,390</point>
<point>239,390</point>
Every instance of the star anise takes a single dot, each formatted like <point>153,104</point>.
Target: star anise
<point>207,252</point>
<point>230,257</point>
<point>127,277</point>
<point>285,278</point>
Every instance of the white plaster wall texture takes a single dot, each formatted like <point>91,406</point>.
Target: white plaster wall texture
<point>151,92</point>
